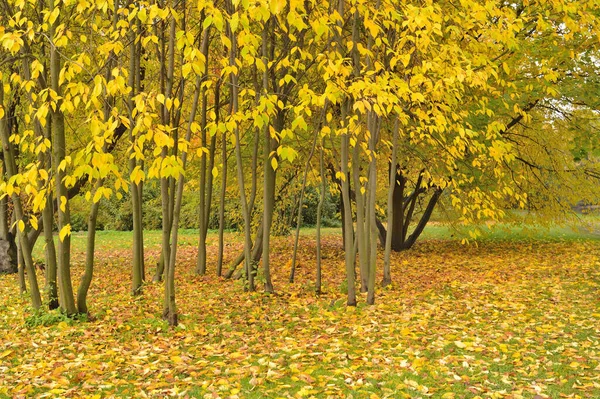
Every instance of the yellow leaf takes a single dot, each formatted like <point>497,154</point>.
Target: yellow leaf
<point>97,195</point>
<point>64,232</point>
<point>21,225</point>
<point>34,223</point>
<point>274,163</point>
<point>63,203</point>
<point>176,359</point>
<point>460,344</point>
<point>53,15</point>
<point>5,353</point>
<point>215,172</point>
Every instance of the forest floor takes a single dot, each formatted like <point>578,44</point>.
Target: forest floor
<point>502,319</point>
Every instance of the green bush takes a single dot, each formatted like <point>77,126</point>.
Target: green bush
<point>116,214</point>
<point>43,317</point>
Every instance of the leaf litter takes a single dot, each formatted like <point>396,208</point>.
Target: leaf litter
<point>498,320</point>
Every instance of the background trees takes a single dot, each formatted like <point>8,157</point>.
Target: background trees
<point>480,106</point>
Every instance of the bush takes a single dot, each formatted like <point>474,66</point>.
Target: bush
<point>78,222</point>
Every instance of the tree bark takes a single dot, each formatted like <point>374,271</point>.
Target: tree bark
<point>222,197</point>
<point>11,170</point>
<point>318,283</point>
<point>317,133</point>
<point>137,265</point>
<point>21,269</point>
<point>10,264</point>
<point>387,274</point>
<point>170,201</point>
<point>59,148</point>
<point>204,210</point>
<point>373,125</point>
<point>238,156</point>
<point>86,278</point>
<point>361,214</point>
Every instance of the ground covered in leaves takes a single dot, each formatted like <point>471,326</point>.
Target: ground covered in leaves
<point>498,320</point>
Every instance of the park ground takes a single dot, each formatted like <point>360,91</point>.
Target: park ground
<point>515,315</point>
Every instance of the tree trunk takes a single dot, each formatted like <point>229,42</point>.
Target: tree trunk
<point>11,170</point>
<point>86,278</point>
<point>222,196</point>
<point>169,199</point>
<point>397,226</point>
<point>137,266</point>
<point>373,125</point>
<point>387,274</point>
<point>361,233</point>
<point>21,267</point>
<point>238,156</point>
<point>48,226</point>
<point>202,211</point>
<point>8,262</point>
<point>269,171</point>
<point>348,239</point>
<point>318,283</point>
<point>317,133</point>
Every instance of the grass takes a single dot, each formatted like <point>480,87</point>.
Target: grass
<point>517,316</point>
<point>121,240</point>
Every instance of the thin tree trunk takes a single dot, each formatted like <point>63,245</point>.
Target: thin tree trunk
<point>137,267</point>
<point>301,200</point>
<point>318,283</point>
<point>269,173</point>
<point>372,227</point>
<point>62,194</point>
<point>238,156</point>
<point>222,203</point>
<point>170,310</point>
<point>348,242</point>
<point>11,170</point>
<point>361,234</point>
<point>86,278</point>
<point>209,183</point>
<point>387,274</point>
<point>395,230</point>
<point>168,197</point>
<point>410,241</point>
<point>45,160</point>
<point>48,226</point>
<point>21,269</point>
<point>203,211</point>
<point>348,239</point>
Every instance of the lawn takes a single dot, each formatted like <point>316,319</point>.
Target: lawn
<point>515,316</point>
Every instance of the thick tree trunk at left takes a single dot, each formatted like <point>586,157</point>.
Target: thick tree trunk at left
<point>11,170</point>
